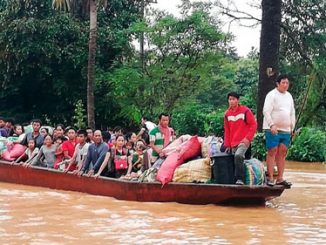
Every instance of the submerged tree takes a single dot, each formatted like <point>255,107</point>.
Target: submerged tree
<point>182,57</point>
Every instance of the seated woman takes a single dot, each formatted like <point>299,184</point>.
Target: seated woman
<point>131,142</point>
<point>136,160</point>
<point>115,159</point>
<point>46,155</point>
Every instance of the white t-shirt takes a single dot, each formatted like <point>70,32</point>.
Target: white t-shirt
<point>81,152</point>
<point>30,153</point>
<point>149,125</point>
<point>279,111</point>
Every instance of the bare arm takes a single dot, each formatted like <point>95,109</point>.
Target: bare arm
<point>71,161</point>
<point>104,164</point>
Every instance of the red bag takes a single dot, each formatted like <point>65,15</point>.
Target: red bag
<point>191,149</point>
<point>165,173</point>
<point>120,164</point>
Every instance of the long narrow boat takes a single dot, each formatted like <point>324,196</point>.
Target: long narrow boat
<point>188,193</point>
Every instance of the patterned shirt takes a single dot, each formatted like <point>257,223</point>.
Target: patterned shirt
<point>157,137</point>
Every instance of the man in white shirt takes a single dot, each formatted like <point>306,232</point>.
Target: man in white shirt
<point>278,124</point>
<point>147,127</point>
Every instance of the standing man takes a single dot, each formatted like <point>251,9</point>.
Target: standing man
<point>239,129</point>
<point>147,126</point>
<point>160,137</point>
<point>36,125</point>
<point>279,122</point>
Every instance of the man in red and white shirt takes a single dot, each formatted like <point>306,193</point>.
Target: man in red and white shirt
<point>239,129</point>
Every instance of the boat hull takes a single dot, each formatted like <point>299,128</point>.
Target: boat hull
<point>188,193</point>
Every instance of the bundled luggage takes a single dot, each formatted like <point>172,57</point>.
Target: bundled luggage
<point>190,150</point>
<point>254,172</point>
<point>193,171</point>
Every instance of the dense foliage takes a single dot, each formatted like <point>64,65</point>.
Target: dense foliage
<point>309,146</point>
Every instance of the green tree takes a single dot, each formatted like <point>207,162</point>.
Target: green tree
<point>93,6</point>
<point>182,56</point>
<point>41,56</point>
<point>303,55</point>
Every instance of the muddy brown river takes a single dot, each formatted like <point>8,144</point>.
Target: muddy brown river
<point>31,215</point>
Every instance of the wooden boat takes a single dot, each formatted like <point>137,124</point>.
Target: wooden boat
<point>187,193</point>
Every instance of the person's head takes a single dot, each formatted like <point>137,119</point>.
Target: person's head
<point>18,129</point>
<point>132,137</point>
<point>113,139</point>
<point>117,130</point>
<point>144,119</point>
<point>90,134</point>
<point>233,99</point>
<point>2,122</point>
<point>54,133</point>
<point>48,140</point>
<point>36,125</point>
<point>140,145</point>
<point>9,123</point>
<point>282,83</point>
<point>60,130</point>
<point>97,137</point>
<point>71,133</point>
<point>106,136</point>
<point>59,140</point>
<point>119,141</point>
<point>81,136</point>
<point>164,120</point>
<point>31,143</point>
<point>44,131</point>
<point>128,145</point>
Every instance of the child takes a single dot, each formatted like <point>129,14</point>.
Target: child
<point>30,152</point>
<point>59,153</point>
<point>136,160</point>
<point>47,152</point>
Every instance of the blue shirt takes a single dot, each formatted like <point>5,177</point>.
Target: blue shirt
<point>3,132</point>
<point>38,139</point>
<point>95,155</point>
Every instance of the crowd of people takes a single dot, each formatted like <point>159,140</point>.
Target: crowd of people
<point>115,154</point>
<point>88,152</point>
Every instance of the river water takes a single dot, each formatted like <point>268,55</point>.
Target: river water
<point>31,215</point>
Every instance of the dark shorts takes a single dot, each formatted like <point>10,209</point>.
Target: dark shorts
<point>274,140</point>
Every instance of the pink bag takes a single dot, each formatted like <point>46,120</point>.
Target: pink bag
<point>120,164</point>
<point>16,151</point>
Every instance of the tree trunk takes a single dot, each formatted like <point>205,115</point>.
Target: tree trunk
<point>91,64</point>
<point>269,52</point>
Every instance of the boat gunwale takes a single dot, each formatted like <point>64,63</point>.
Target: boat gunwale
<point>104,178</point>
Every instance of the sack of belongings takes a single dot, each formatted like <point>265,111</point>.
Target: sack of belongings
<point>190,150</point>
<point>148,175</point>
<point>254,172</point>
<point>194,171</point>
